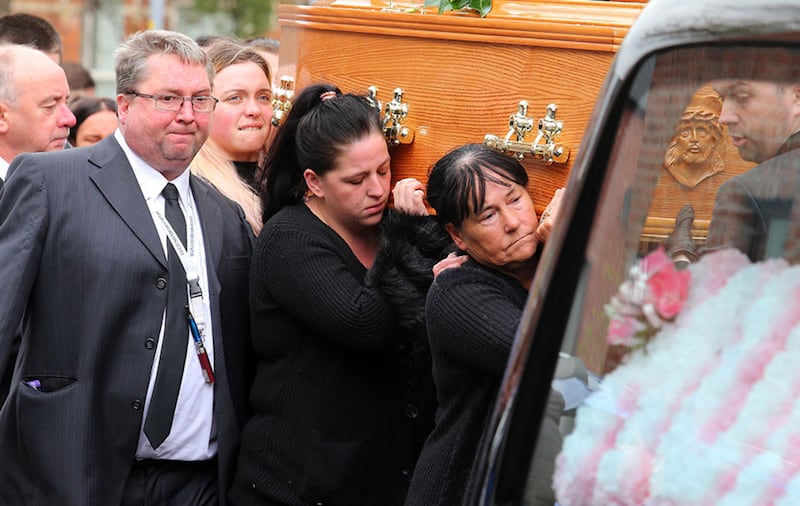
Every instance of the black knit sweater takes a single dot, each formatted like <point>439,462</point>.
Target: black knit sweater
<point>333,419</point>
<point>472,316</point>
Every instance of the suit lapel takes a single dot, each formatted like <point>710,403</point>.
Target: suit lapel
<point>212,224</point>
<point>119,186</point>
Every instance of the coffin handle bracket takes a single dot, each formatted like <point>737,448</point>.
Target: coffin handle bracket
<point>282,99</point>
<point>394,116</point>
<point>395,113</point>
<point>543,147</point>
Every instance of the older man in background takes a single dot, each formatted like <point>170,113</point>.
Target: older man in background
<point>34,115</point>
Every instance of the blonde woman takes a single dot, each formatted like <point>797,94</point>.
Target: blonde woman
<point>239,127</point>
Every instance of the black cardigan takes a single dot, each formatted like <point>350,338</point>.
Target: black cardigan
<point>340,406</point>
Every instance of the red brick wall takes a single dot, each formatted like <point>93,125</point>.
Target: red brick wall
<point>66,16</point>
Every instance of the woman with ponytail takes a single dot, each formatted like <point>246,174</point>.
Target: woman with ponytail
<point>342,399</point>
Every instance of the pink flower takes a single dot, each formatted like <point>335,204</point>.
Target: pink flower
<point>667,291</point>
<point>623,329</point>
<point>654,293</point>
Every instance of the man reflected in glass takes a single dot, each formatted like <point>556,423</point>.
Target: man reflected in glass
<point>761,110</point>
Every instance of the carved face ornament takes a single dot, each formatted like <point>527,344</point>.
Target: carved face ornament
<point>696,151</point>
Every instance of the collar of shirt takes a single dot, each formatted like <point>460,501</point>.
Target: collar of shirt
<point>3,169</point>
<point>150,180</point>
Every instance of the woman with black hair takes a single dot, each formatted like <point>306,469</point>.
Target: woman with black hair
<point>342,398</point>
<point>472,311</point>
<point>95,119</point>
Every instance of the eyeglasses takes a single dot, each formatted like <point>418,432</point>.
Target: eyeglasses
<point>201,103</point>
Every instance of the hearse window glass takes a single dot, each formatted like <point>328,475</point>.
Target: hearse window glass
<point>689,322</point>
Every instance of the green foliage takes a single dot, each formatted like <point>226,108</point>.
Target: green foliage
<point>251,18</point>
<point>483,7</point>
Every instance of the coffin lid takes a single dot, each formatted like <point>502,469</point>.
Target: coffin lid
<point>574,24</point>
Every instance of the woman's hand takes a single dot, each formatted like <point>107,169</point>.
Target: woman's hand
<point>409,197</point>
<point>549,216</point>
<point>450,261</point>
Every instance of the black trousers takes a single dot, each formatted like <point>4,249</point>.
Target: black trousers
<point>172,483</point>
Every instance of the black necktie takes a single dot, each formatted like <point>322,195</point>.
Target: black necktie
<point>176,333</point>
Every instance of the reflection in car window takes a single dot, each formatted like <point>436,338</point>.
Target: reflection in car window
<point>684,326</point>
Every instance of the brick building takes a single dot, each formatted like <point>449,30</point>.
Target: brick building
<point>92,29</point>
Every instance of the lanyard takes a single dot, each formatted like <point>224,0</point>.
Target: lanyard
<point>196,316</point>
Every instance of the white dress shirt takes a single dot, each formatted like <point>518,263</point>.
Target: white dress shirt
<point>193,435</point>
<point>3,169</point>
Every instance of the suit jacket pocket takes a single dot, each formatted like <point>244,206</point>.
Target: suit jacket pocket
<point>47,383</point>
<point>51,427</point>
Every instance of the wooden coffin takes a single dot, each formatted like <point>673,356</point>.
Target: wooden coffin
<point>463,77</point>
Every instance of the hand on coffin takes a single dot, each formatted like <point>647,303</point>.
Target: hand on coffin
<point>549,216</point>
<point>409,197</point>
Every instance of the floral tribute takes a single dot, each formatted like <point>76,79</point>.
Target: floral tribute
<point>654,294</point>
<point>708,413</point>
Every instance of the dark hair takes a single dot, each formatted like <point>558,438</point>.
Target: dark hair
<point>457,182</point>
<point>78,76</point>
<point>30,30</point>
<point>85,107</point>
<point>321,124</point>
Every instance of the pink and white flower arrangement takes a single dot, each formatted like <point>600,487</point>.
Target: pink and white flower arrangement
<point>653,294</point>
<point>709,411</point>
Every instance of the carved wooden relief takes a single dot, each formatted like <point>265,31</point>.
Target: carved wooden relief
<point>698,160</point>
<point>697,150</point>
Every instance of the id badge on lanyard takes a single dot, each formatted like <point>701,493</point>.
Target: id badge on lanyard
<point>195,313</point>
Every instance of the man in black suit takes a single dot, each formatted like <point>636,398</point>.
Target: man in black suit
<point>109,255</point>
<point>34,117</point>
<point>754,211</point>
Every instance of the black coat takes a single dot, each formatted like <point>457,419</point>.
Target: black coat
<point>753,211</point>
<point>403,272</point>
